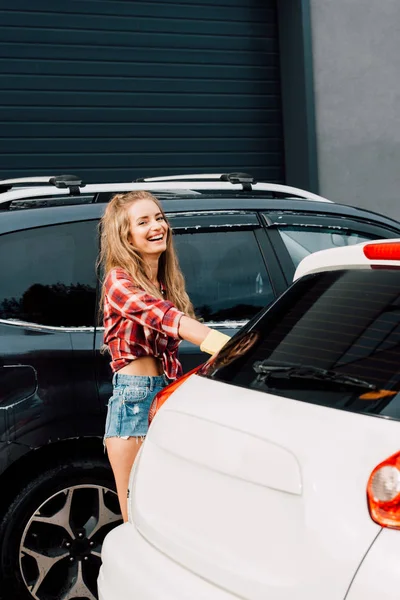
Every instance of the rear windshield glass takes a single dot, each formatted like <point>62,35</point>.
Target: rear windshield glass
<point>332,339</point>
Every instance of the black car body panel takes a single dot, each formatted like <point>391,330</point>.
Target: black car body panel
<point>56,383</point>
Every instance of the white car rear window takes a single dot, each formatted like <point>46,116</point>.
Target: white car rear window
<point>332,339</point>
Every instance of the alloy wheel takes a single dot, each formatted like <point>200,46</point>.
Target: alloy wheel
<point>60,549</point>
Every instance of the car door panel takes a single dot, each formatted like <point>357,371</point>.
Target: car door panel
<point>47,299</point>
<point>43,404</point>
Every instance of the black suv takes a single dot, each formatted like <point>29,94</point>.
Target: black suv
<point>238,242</point>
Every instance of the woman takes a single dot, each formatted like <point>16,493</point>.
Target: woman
<point>146,313</point>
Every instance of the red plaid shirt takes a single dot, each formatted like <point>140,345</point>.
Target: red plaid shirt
<point>138,324</point>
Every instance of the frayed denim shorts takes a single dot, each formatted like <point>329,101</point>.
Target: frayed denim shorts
<point>128,407</point>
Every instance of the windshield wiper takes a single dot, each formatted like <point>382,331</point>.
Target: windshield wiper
<point>266,370</point>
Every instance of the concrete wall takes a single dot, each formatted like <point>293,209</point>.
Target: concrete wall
<point>356,53</point>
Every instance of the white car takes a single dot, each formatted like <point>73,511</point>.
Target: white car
<point>274,471</point>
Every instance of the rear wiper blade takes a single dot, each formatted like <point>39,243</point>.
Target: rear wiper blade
<point>266,370</point>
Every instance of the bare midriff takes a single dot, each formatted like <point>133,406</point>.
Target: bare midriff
<point>147,366</point>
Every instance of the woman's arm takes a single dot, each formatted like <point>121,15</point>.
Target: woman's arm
<point>209,340</point>
<point>192,330</point>
<point>137,305</point>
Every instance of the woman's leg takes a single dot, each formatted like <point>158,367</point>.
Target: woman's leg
<point>122,454</point>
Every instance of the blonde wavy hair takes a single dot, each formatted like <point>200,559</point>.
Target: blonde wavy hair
<point>117,251</point>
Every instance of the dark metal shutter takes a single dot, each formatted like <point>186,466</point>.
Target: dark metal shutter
<point>115,90</point>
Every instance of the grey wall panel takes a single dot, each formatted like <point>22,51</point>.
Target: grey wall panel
<point>356,49</point>
<point>119,89</point>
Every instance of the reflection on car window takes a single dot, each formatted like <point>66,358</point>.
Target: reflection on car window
<point>48,275</point>
<point>56,200</point>
<point>302,241</point>
<point>333,339</point>
<point>225,274</point>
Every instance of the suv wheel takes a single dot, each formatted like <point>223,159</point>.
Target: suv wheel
<point>52,534</point>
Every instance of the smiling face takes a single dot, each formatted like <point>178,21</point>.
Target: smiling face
<point>148,228</point>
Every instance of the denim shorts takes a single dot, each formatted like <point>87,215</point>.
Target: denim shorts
<point>128,407</point>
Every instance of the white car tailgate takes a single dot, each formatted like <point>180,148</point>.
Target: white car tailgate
<point>262,495</point>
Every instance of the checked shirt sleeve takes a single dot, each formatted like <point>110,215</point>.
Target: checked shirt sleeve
<point>135,304</point>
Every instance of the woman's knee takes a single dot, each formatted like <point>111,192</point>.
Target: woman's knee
<point>122,453</point>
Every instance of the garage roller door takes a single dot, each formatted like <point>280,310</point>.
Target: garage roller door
<point>114,90</point>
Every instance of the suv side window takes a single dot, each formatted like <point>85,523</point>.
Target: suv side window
<point>48,275</point>
<point>225,274</point>
<point>302,241</point>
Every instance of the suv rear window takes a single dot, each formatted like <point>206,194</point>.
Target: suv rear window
<point>332,339</point>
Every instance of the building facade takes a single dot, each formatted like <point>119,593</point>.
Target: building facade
<point>295,91</point>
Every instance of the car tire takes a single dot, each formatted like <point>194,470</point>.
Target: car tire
<point>52,533</point>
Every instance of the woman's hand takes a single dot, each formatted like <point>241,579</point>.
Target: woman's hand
<point>209,340</point>
<point>214,341</point>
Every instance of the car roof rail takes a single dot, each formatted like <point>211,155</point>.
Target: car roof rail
<point>248,182</point>
<point>188,177</point>
<point>232,182</point>
<point>8,184</point>
<point>243,178</point>
<point>289,192</point>
<point>191,176</point>
<point>72,182</point>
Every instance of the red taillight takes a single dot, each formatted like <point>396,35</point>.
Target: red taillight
<point>383,493</point>
<point>165,393</point>
<point>382,251</point>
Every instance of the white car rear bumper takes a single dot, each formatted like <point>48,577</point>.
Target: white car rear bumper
<point>132,569</point>
<point>379,574</point>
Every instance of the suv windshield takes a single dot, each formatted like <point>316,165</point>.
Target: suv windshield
<point>332,339</point>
